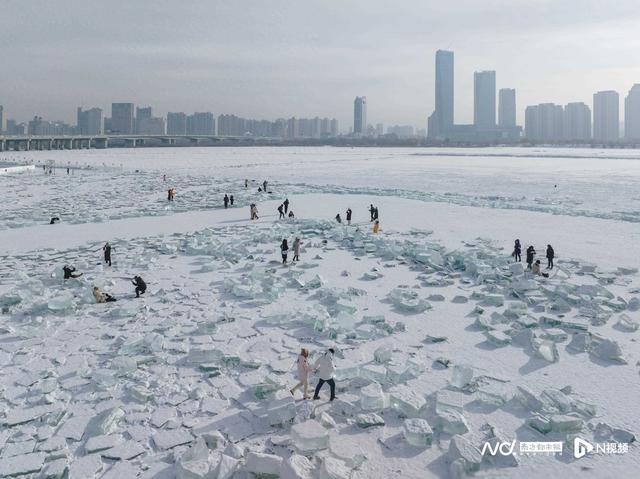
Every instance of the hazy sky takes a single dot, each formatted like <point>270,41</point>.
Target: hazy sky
<point>281,58</point>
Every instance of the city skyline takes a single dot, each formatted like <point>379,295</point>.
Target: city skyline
<point>278,60</point>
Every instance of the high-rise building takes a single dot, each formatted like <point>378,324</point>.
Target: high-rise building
<point>507,108</point>
<point>334,127</point>
<point>632,113</point>
<point>606,116</point>
<point>176,123</point>
<point>577,122</point>
<point>1,118</point>
<point>360,115</point>
<point>442,117</point>
<point>544,122</point>
<point>143,113</point>
<point>484,100</point>
<point>15,128</point>
<point>89,122</point>
<point>122,121</point>
<point>201,124</point>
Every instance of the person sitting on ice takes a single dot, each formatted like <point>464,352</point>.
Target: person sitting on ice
<point>102,297</point>
<point>325,369</point>
<point>54,220</point>
<point>338,219</point>
<point>69,272</point>
<point>140,285</point>
<point>376,227</point>
<point>536,269</point>
<point>291,215</point>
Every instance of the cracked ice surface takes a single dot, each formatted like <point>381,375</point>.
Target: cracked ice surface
<point>192,380</point>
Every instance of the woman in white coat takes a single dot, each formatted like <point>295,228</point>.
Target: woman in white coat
<point>303,373</point>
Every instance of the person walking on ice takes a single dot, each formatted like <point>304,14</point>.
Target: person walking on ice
<point>107,253</point>
<point>376,227</point>
<point>372,211</point>
<point>246,183</point>
<point>349,212</point>
<point>303,374</point>
<point>253,209</point>
<point>550,255</point>
<point>286,205</point>
<point>231,200</point>
<point>264,186</point>
<point>281,211</point>
<point>296,249</point>
<point>325,369</point>
<point>226,201</point>
<point>284,250</point>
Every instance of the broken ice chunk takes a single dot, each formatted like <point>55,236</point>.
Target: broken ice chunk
<point>21,464</point>
<point>297,467</point>
<point>606,349</point>
<point>417,432</point>
<point>332,468</point>
<point>565,423</point>
<point>452,422</point>
<point>280,411</point>
<point>626,323</point>
<point>406,401</point>
<point>126,450</point>
<point>369,420</point>
<point>263,464</point>
<point>372,397</point>
<point>461,448</point>
<point>168,439</point>
<point>540,424</point>
<point>498,338</point>
<point>461,376</point>
<point>310,436</point>
<point>226,467</point>
<point>546,349</point>
<point>382,354</point>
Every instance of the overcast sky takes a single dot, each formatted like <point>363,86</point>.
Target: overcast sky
<point>282,58</point>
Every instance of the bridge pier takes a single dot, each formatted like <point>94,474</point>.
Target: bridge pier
<point>101,143</point>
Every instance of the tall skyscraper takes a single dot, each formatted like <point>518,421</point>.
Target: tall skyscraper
<point>577,122</point>
<point>122,121</point>
<point>507,108</point>
<point>632,113</point>
<point>89,122</point>
<point>201,124</point>
<point>606,116</point>
<point>484,100</point>
<point>442,117</point>
<point>176,123</point>
<point>143,113</point>
<point>360,115</point>
<point>544,122</point>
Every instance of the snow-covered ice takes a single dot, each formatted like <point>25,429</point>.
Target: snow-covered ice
<point>441,340</point>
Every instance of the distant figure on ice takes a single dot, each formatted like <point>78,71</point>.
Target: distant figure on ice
<point>286,205</point>
<point>531,252</point>
<point>264,186</point>
<point>231,200</point>
<point>349,212</point>
<point>69,272</point>
<point>226,201</point>
<point>171,194</point>
<point>325,369</point>
<point>376,213</point>
<point>253,209</point>
<point>53,220</point>
<point>338,219</point>
<point>517,251</point>
<point>376,227</point>
<point>536,269</point>
<point>281,211</point>
<point>259,190</point>
<point>107,253</point>
<point>284,250</point>
<point>246,183</point>
<point>550,255</point>
<point>296,248</point>
<point>141,286</point>
<point>372,210</point>
<point>67,170</point>
<point>164,178</point>
<point>291,215</point>
<point>102,297</point>
<point>303,374</point>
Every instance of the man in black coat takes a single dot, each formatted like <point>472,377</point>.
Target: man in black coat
<point>550,255</point>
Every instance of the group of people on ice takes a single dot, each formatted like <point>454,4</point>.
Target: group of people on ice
<point>534,267</point>
<point>323,367</point>
<point>283,210</point>
<point>69,272</point>
<point>284,250</point>
<point>374,217</point>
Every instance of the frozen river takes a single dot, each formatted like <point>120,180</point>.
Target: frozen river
<point>442,343</point>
